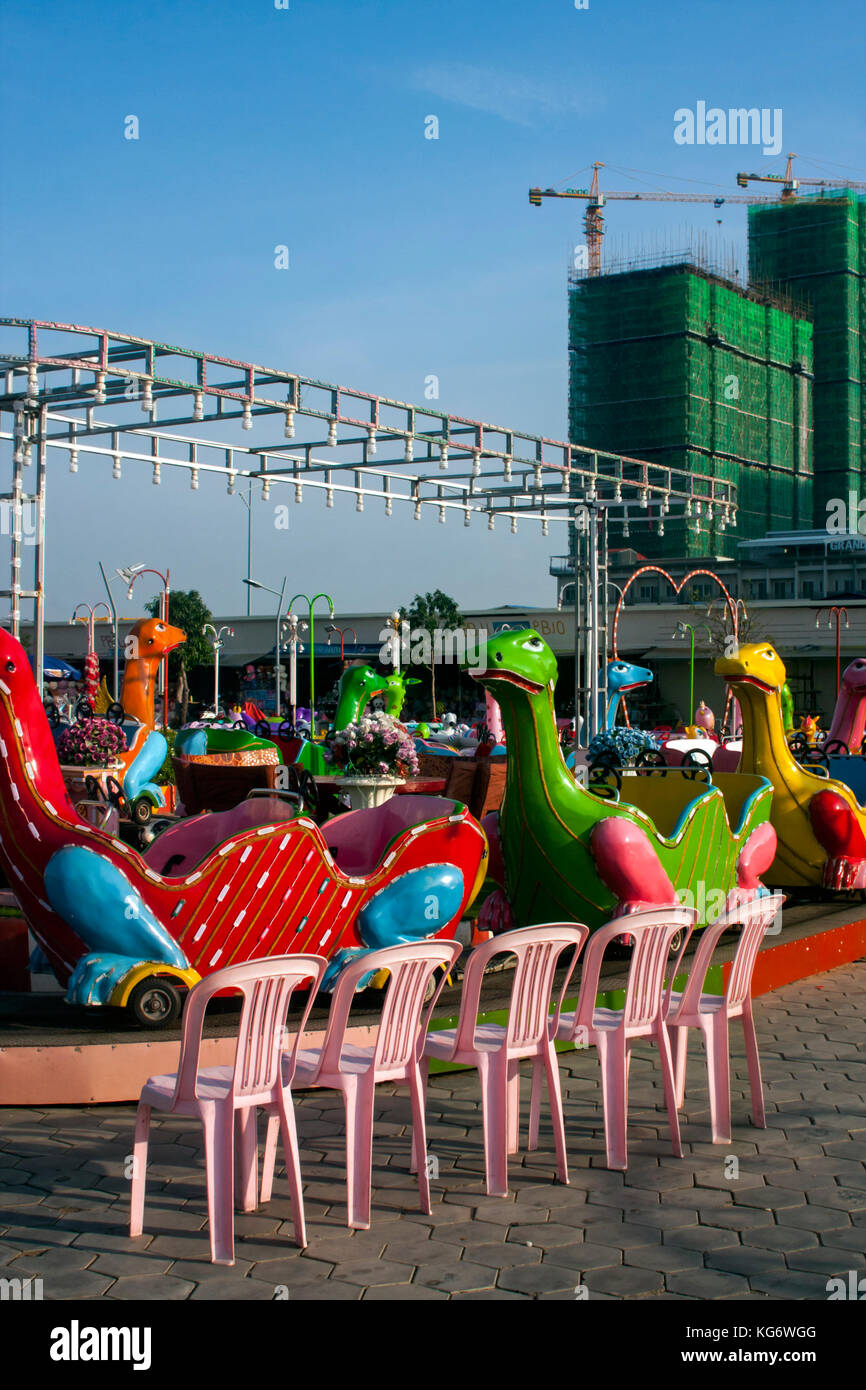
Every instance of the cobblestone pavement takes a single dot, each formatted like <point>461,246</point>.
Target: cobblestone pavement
<point>775,1214</point>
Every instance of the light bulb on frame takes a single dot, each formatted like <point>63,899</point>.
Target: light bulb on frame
<point>514,526</point>
<point>371,439</point>
<point>116,469</point>
<point>409,452</point>
<point>198,406</point>
<point>441,516</point>
<point>467,517</point>
<point>417,511</point>
<point>332,434</point>
<point>247,417</point>
<point>73,460</point>
<point>147,397</point>
<point>193,479</point>
<point>266,489</point>
<point>230,485</point>
<point>157,475</point>
<point>299,492</point>
<point>443,457</point>
<point>289,430</point>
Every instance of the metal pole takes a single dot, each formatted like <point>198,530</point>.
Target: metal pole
<point>39,602</point>
<point>593,621</point>
<point>165,596</point>
<point>279,691</point>
<point>113,608</point>
<point>249,544</point>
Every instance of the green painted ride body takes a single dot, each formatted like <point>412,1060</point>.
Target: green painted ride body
<point>546,818</point>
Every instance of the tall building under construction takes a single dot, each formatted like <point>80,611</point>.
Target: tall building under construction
<point>685,368</point>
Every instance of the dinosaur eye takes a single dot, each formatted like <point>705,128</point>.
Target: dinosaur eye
<point>533,644</point>
<point>10,665</point>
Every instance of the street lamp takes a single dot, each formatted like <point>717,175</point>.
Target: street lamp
<point>342,631</point>
<point>588,517</point>
<point>217,643</point>
<point>295,647</point>
<point>92,665</point>
<point>682,629</point>
<point>312,604</point>
<point>835,613</point>
<point>280,594</point>
<point>132,573</point>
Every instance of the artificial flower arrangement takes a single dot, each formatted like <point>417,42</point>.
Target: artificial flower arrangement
<point>376,745</point>
<point>91,743</point>
<point>620,746</point>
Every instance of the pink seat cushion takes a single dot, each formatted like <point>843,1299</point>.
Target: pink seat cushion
<point>359,839</point>
<point>194,838</point>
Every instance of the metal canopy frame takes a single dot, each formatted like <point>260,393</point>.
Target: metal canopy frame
<point>114,396</point>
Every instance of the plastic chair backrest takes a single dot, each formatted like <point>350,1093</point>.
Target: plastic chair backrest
<point>653,931</point>
<point>400,1034</point>
<point>754,918</point>
<point>267,987</point>
<point>538,950</point>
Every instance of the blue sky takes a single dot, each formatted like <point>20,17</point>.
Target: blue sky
<point>409,257</point>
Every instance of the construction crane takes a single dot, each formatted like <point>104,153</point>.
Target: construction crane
<point>595,199</point>
<point>790,184</point>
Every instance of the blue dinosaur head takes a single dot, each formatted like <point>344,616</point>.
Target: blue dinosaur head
<point>623,676</point>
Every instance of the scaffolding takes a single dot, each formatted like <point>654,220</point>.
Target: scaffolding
<point>816,248</point>
<point>685,368</point>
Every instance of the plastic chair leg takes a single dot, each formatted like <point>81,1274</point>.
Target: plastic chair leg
<point>680,1040</point>
<point>358,1099</point>
<point>494,1110</point>
<point>419,1139</point>
<point>424,1076</point>
<point>513,1116</point>
<point>756,1084</point>
<point>269,1156</point>
<point>551,1067</point>
<point>670,1089</point>
<point>715,1030</point>
<point>218,1126</point>
<point>614,1090</point>
<point>286,1122</point>
<point>535,1101</point>
<point>246,1159</point>
<point>139,1170</point>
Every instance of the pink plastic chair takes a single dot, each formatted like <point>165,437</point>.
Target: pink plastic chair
<point>496,1050</point>
<point>354,1069</point>
<point>614,1031</point>
<point>712,1012</point>
<point>224,1099</point>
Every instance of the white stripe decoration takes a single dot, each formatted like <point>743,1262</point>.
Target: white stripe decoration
<point>222,893</point>
<point>33,831</point>
<point>263,880</point>
<point>240,917</point>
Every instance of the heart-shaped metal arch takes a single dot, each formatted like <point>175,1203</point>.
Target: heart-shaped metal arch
<point>677,588</point>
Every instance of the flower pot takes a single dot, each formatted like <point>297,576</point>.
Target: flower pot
<point>367,792</point>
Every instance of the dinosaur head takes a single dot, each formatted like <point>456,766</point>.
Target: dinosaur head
<point>519,660</point>
<point>854,676</point>
<point>623,676</point>
<point>150,638</point>
<point>758,665</point>
<point>17,686</point>
<point>361,681</point>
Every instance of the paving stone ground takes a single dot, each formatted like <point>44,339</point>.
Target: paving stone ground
<point>775,1214</point>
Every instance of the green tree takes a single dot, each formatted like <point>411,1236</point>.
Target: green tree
<point>188,611</point>
<point>427,613</point>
